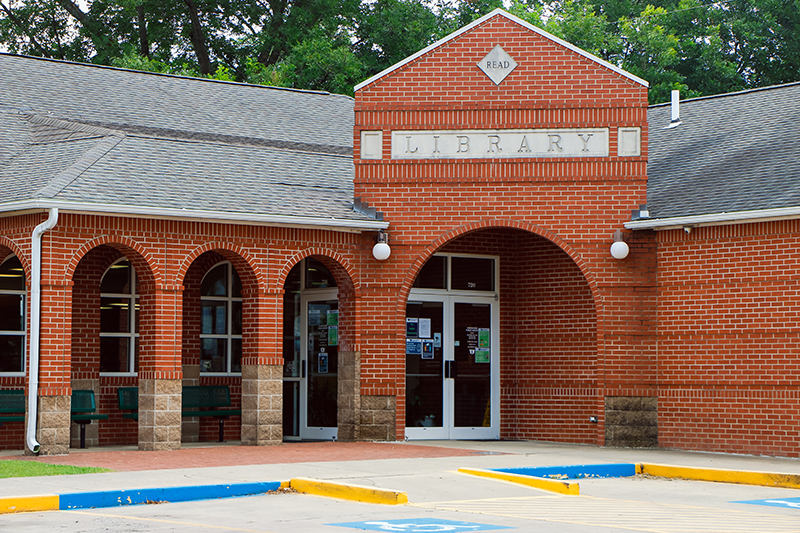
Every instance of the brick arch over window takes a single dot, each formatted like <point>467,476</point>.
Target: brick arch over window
<point>140,257</point>
<point>345,277</point>
<point>253,279</point>
<point>473,227</point>
<point>343,272</point>
<point>8,247</point>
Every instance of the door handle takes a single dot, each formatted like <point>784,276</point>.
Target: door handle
<point>450,369</point>
<point>302,369</point>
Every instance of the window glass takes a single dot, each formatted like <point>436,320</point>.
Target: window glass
<point>433,275</point>
<point>215,283</point>
<point>215,315</point>
<point>317,275</point>
<point>115,315</point>
<point>11,353</point>
<point>12,277</point>
<point>12,316</point>
<point>221,321</point>
<point>12,311</point>
<point>291,323</point>
<point>114,353</point>
<point>117,279</point>
<point>119,319</point>
<point>472,274</point>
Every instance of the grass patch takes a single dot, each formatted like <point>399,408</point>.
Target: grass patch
<point>13,468</point>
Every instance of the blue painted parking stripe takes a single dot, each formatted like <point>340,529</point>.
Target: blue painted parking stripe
<point>118,498</point>
<point>791,503</point>
<point>575,471</point>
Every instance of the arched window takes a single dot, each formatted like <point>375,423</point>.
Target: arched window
<point>221,321</point>
<point>12,316</point>
<point>119,319</point>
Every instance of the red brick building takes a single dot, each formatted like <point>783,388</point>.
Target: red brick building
<point>211,234</point>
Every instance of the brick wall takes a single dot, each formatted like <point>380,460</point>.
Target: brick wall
<point>729,374</point>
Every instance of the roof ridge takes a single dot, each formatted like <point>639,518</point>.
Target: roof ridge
<point>735,93</point>
<point>171,133</point>
<point>177,76</point>
<point>66,125</point>
<point>79,166</point>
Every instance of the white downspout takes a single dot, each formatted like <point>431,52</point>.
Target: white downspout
<point>36,305</point>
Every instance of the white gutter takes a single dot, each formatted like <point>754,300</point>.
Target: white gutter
<point>172,213</point>
<point>36,305</point>
<point>716,219</point>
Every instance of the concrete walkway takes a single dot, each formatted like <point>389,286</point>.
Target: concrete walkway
<point>428,473</point>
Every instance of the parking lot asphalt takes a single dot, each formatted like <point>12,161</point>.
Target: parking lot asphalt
<point>439,497</point>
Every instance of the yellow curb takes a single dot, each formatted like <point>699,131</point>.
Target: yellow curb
<point>28,504</point>
<point>551,485</point>
<point>766,479</point>
<point>348,492</point>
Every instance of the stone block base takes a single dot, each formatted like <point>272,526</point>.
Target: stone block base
<point>54,425</point>
<point>159,414</point>
<point>631,422</point>
<point>378,415</point>
<point>262,405</point>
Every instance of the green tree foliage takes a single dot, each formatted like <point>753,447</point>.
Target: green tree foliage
<point>698,46</point>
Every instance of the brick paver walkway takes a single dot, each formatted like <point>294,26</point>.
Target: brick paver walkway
<point>228,455</point>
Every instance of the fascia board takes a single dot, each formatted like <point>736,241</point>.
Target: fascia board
<point>519,21</point>
<point>332,224</point>
<point>716,219</point>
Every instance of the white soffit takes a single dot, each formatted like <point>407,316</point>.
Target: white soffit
<point>512,18</point>
<point>716,219</point>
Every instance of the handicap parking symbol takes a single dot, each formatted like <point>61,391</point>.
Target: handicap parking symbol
<point>420,525</point>
<point>791,503</point>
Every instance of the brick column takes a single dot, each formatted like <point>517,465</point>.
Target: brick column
<point>160,370</point>
<point>53,424</point>
<point>349,396</point>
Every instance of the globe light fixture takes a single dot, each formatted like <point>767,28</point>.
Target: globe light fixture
<point>381,250</point>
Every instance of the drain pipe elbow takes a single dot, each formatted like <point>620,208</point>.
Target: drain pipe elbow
<point>33,345</point>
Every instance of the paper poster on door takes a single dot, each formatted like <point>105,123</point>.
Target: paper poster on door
<point>313,317</point>
<point>427,349</point>
<point>413,346</point>
<point>322,363</point>
<point>424,328</point>
<point>333,335</point>
<point>482,356</point>
<point>333,318</point>
<point>412,328</point>
<point>484,338</point>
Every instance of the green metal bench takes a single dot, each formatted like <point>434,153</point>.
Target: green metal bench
<point>83,411</point>
<point>128,399</point>
<point>212,398</point>
<point>12,401</point>
<point>205,400</point>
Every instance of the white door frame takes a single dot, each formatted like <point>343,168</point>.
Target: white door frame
<point>306,432</point>
<point>449,298</point>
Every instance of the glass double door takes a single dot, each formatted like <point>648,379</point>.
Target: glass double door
<point>311,379</point>
<point>452,356</point>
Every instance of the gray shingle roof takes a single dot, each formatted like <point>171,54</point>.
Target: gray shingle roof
<point>734,152</point>
<point>97,135</point>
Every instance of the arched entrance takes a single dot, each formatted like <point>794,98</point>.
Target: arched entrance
<point>311,352</point>
<point>501,342</point>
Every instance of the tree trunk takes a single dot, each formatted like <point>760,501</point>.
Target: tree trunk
<point>144,43</point>
<point>198,39</point>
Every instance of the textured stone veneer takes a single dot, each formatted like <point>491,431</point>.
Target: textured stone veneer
<point>159,414</point>
<point>262,405</point>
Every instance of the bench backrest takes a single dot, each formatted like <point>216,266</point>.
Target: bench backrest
<point>12,401</point>
<point>83,401</point>
<point>128,398</point>
<point>206,396</point>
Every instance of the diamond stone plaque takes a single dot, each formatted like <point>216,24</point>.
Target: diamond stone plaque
<point>497,64</point>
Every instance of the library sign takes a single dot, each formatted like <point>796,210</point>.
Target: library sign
<point>470,144</point>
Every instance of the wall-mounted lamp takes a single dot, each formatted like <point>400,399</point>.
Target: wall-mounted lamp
<point>619,250</point>
<point>381,250</point>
